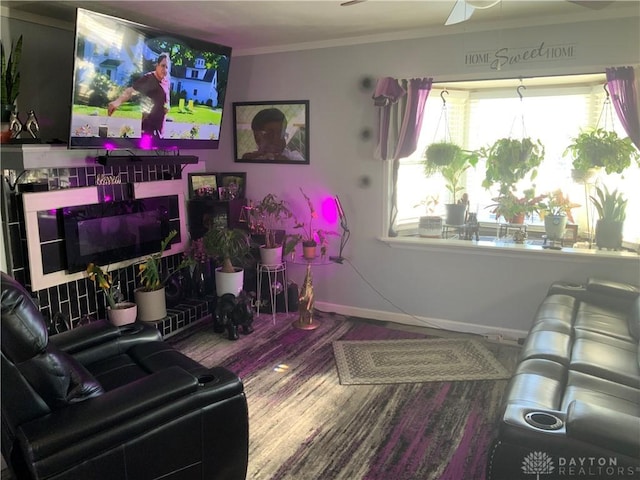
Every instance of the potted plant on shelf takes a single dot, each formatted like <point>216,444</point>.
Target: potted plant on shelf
<point>119,312</point>
<point>509,161</point>
<point>150,296</point>
<point>611,208</point>
<point>228,246</point>
<point>310,236</point>
<point>599,148</point>
<point>555,211</point>
<point>10,87</point>
<point>269,214</point>
<point>513,209</point>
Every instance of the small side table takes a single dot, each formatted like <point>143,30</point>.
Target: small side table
<point>274,273</point>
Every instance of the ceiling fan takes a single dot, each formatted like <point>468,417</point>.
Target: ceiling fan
<point>463,9</point>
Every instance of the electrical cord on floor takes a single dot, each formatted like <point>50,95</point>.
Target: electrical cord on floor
<point>421,320</point>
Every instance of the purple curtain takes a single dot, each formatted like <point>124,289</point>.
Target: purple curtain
<point>400,111</point>
<point>624,96</point>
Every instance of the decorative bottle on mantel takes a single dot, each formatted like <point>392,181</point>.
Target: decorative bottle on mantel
<point>32,125</point>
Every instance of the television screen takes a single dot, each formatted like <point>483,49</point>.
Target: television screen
<point>136,87</point>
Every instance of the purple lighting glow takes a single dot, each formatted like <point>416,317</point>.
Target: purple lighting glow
<point>146,142</point>
<point>328,209</point>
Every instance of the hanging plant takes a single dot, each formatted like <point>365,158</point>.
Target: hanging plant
<point>438,155</point>
<point>510,160</point>
<point>600,148</point>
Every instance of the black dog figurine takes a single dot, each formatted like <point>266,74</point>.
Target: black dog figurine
<point>233,312</point>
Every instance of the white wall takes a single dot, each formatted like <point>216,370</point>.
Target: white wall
<point>499,291</point>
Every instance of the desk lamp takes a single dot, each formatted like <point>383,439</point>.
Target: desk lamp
<point>344,238</point>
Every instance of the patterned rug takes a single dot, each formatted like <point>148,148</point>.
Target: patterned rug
<point>415,361</point>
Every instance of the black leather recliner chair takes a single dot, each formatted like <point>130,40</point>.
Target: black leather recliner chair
<point>103,402</point>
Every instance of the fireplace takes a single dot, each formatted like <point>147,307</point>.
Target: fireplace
<point>56,252</point>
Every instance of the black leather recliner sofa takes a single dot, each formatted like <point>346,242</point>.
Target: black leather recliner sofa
<point>572,407</point>
<point>103,402</point>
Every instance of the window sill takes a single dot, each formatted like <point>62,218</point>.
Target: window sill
<point>508,249</point>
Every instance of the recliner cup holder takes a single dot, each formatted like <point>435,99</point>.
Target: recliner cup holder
<point>543,420</point>
<point>204,379</point>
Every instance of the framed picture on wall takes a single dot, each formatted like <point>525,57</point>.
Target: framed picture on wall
<point>232,185</point>
<point>203,184</point>
<point>271,132</point>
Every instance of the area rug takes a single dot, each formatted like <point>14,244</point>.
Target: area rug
<point>415,361</point>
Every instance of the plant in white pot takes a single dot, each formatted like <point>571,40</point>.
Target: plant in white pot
<point>150,296</point>
<point>269,214</point>
<point>555,211</point>
<point>119,312</point>
<point>600,149</point>
<point>229,246</point>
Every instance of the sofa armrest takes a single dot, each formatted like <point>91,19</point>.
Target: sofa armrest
<point>83,430</point>
<point>607,428</point>
<point>607,293</point>
<point>100,332</point>
<point>100,339</point>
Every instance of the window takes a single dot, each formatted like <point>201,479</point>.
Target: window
<point>475,114</point>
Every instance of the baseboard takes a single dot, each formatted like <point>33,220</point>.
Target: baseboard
<point>402,318</point>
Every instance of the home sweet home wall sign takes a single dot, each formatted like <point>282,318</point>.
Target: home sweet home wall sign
<point>511,56</point>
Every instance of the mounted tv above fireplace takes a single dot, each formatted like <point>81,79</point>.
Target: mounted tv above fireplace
<point>137,87</point>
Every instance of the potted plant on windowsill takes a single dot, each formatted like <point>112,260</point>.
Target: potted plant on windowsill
<point>509,161</point>
<point>611,208</point>
<point>600,149</point>
<point>119,312</point>
<point>430,226</point>
<point>451,161</point>
<point>555,211</point>
<point>150,296</point>
<point>229,247</point>
<point>269,214</point>
<point>513,209</point>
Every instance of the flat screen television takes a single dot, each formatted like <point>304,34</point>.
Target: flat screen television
<point>137,87</point>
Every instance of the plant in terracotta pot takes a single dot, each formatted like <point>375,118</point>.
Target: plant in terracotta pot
<point>600,148</point>
<point>611,208</point>
<point>119,312</point>
<point>310,236</point>
<point>514,209</point>
<point>269,214</point>
<point>509,161</point>
<point>230,247</point>
<point>150,296</point>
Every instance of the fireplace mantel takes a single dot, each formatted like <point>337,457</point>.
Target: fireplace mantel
<point>34,156</point>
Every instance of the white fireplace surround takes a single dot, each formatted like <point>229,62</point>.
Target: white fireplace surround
<point>39,201</point>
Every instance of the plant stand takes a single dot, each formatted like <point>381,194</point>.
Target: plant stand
<point>274,273</point>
